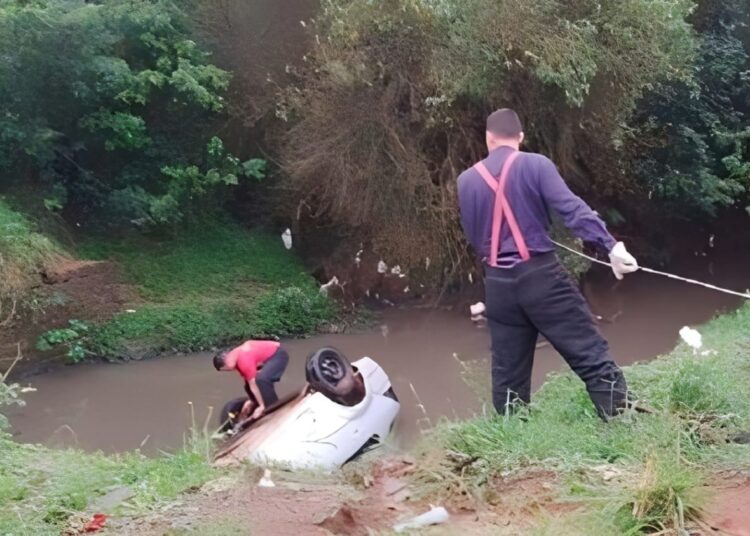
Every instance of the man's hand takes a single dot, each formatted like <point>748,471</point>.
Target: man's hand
<point>258,412</point>
<point>622,261</point>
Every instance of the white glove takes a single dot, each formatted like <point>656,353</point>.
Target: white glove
<point>622,261</point>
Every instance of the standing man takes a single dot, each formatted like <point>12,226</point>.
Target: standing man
<point>505,201</point>
<point>261,364</point>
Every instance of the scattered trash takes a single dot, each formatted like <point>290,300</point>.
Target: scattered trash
<point>471,279</point>
<point>367,292</point>
<point>358,257</point>
<point>131,311</point>
<point>334,282</point>
<point>435,516</point>
<point>477,309</point>
<point>426,264</point>
<point>396,270</point>
<point>711,241</point>
<point>266,481</point>
<point>96,523</point>
<point>705,353</point>
<point>692,338</point>
<point>286,237</point>
<point>382,267</point>
<point>28,389</point>
<point>406,289</point>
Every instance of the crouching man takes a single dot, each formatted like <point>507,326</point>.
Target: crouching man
<point>261,364</point>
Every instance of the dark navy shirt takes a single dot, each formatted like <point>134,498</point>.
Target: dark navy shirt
<point>533,189</point>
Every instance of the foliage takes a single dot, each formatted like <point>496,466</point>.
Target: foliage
<point>209,285</point>
<point>292,311</point>
<point>109,106</point>
<point>72,337</point>
<point>392,106</point>
<point>698,406</point>
<point>691,148</point>
<point>24,253</point>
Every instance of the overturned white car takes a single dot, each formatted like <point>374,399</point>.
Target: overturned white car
<point>341,411</point>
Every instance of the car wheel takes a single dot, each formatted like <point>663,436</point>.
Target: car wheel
<point>330,373</point>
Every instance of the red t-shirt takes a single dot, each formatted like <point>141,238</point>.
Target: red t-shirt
<point>251,354</point>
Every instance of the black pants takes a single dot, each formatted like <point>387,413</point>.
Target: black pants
<point>535,297</point>
<point>271,373</point>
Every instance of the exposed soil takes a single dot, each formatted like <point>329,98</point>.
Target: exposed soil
<point>85,290</point>
<point>729,510</point>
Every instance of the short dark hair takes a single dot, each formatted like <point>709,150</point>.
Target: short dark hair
<point>504,122</point>
<point>219,359</point>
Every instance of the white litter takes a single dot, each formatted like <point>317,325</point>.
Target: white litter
<point>131,311</point>
<point>28,389</point>
<point>358,257</point>
<point>334,282</point>
<point>711,241</point>
<point>382,267</point>
<point>266,481</point>
<point>396,270</point>
<point>426,263</point>
<point>406,289</point>
<point>477,309</point>
<point>471,279</point>
<point>436,515</point>
<point>692,338</point>
<point>286,237</point>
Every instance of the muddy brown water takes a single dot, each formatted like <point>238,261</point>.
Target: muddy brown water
<point>146,404</point>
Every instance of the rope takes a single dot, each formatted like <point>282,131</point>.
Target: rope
<point>657,272</point>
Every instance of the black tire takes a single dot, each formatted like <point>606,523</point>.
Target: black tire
<point>330,373</point>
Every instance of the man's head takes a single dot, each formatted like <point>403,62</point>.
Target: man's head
<point>220,361</point>
<point>504,128</point>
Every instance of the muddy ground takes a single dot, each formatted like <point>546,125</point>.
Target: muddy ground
<point>370,499</point>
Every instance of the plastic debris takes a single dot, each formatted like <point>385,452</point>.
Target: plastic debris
<point>426,264</point>
<point>471,279</point>
<point>334,282</point>
<point>711,241</point>
<point>358,257</point>
<point>96,523</point>
<point>406,289</point>
<point>265,481</point>
<point>382,267</point>
<point>396,270</point>
<point>692,338</point>
<point>435,516</point>
<point>477,309</point>
<point>28,389</point>
<point>286,237</point>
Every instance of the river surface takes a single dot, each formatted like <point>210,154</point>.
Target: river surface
<point>147,404</point>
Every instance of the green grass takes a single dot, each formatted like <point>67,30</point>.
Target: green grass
<point>41,488</point>
<point>700,403</point>
<point>211,285</point>
<point>24,252</point>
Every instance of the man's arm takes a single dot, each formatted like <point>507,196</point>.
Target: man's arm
<point>575,213</point>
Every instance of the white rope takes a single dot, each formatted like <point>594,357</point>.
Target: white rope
<point>657,272</point>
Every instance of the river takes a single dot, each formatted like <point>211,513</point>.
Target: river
<point>147,404</point>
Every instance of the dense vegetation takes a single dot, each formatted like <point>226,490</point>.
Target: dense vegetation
<point>643,104</point>
<point>639,473</point>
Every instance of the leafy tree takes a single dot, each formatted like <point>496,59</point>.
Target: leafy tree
<point>108,107</point>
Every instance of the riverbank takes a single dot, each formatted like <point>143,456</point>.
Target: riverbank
<point>137,295</point>
<point>554,469</point>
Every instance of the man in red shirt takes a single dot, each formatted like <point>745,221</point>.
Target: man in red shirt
<point>261,364</point>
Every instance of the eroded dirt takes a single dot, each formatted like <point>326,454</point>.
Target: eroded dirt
<point>91,291</point>
<point>728,513</point>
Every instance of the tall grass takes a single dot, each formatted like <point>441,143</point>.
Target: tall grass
<point>23,254</point>
<point>699,404</point>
